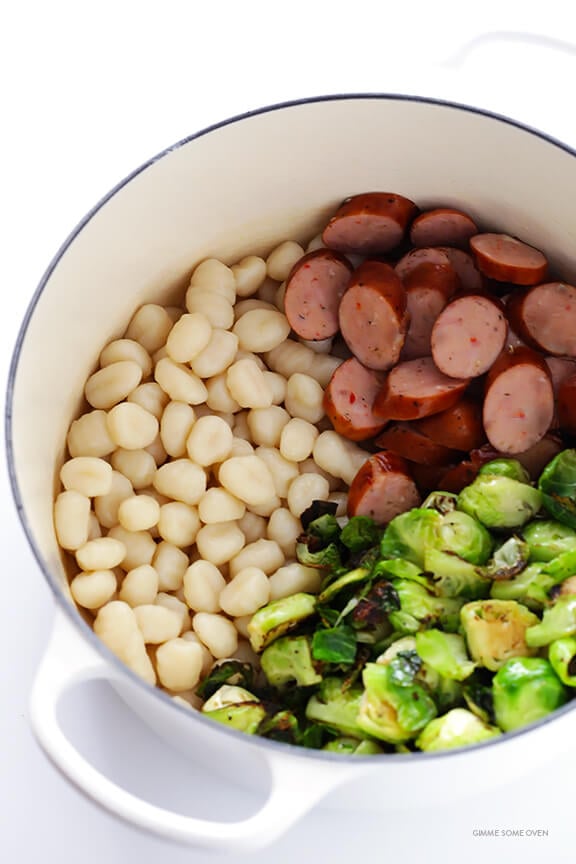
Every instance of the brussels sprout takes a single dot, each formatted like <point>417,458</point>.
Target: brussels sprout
<point>500,502</point>
<point>235,707</point>
<point>454,577</point>
<point>495,631</point>
<point>562,566</point>
<point>410,534</point>
<point>445,692</point>
<point>336,707</point>
<point>394,706</point>
<point>509,559</point>
<point>335,644</point>
<point>278,617</point>
<point>546,539</point>
<point>462,535</point>
<point>565,589</point>
<point>562,657</point>
<point>445,653</point>
<point>457,728</point>
<point>558,621</point>
<point>506,468</point>
<point>401,570</point>
<point>443,502</point>
<point>226,672</point>
<point>530,587</point>
<point>352,747</point>
<point>360,533</point>
<point>400,646</point>
<point>419,608</point>
<point>525,690</point>
<point>360,574</point>
<point>557,484</point>
<point>289,659</point>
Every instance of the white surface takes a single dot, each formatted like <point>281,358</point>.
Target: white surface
<point>90,91</point>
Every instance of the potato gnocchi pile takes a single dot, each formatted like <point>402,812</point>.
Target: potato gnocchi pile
<point>204,442</point>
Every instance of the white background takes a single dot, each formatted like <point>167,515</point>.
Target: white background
<point>90,90</point>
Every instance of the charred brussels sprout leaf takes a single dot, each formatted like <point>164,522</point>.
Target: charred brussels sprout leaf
<point>509,559</point>
<point>558,487</point>
<point>316,510</point>
<point>477,693</point>
<point>506,468</point>
<point>410,534</point>
<point>318,546</point>
<point>546,539</point>
<point>360,533</point>
<point>351,578</point>
<point>525,690</point>
<point>457,728</point>
<point>278,618</point>
<point>372,610</point>
<point>500,502</point>
<point>443,502</point>
<point>281,726</point>
<point>229,672</point>
<point>289,659</point>
<point>336,645</point>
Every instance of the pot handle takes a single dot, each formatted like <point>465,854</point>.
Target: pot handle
<point>69,661</point>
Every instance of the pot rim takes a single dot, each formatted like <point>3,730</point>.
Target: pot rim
<point>69,609</point>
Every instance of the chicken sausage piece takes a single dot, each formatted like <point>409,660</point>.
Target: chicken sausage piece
<point>314,290</point>
<point>442,226</point>
<point>382,488</point>
<point>348,400</point>
<point>456,478</point>
<point>416,257</point>
<point>567,405</point>
<point>459,428</point>
<point>507,259</point>
<point>428,289</point>
<point>545,317</point>
<point>519,401</point>
<point>410,443</point>
<point>468,336</point>
<point>416,389</point>
<point>373,315</point>
<point>534,459</point>
<point>373,223</point>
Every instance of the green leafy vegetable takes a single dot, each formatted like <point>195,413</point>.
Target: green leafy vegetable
<point>336,645</point>
<point>228,672</point>
<point>558,487</point>
<point>360,533</point>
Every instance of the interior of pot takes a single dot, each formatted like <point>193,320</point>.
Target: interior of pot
<point>240,188</point>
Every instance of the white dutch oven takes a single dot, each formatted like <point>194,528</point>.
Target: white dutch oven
<point>239,188</point>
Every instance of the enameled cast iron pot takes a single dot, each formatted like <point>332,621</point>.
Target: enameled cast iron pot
<point>236,188</point>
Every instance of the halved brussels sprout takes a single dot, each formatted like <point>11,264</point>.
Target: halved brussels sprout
<point>525,690</point>
<point>445,653</point>
<point>496,630</point>
<point>546,539</point>
<point>277,618</point>
<point>457,728</point>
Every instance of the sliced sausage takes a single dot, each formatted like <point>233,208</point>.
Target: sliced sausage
<point>566,405</point>
<point>507,259</point>
<point>404,440</point>
<point>534,459</point>
<point>459,428</point>
<point>456,478</point>
<point>442,227</point>
<point>369,224</point>
<point>468,336</point>
<point>373,315</point>
<point>348,400</point>
<point>545,317</point>
<point>428,289</point>
<point>519,401</point>
<point>466,269</point>
<point>415,389</point>
<point>314,289</point>
<point>416,257</point>
<point>560,369</point>
<point>382,488</point>
<point>428,477</point>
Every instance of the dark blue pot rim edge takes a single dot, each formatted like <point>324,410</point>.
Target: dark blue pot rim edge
<point>64,604</point>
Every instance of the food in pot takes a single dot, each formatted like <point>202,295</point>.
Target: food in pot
<point>242,508</point>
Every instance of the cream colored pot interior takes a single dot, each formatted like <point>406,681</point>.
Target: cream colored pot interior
<point>240,189</point>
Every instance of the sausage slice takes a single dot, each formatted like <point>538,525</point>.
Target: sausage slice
<point>348,400</point>
<point>382,488</point>
<point>442,226</point>
<point>468,336</point>
<point>314,289</point>
<point>459,428</point>
<point>457,477</point>
<point>373,317</point>
<point>519,401</point>
<point>545,317</point>
<point>567,405</point>
<point>466,269</point>
<point>416,389</point>
<point>534,459</point>
<point>507,259</point>
<point>428,289</point>
<point>416,257</point>
<point>409,442</point>
<point>373,223</point>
